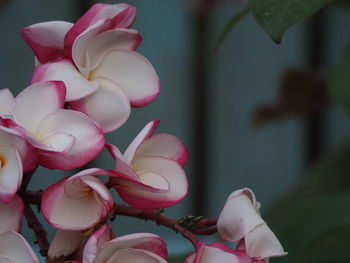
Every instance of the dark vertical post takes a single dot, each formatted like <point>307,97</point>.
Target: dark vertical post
<point>316,56</point>
<point>201,104</point>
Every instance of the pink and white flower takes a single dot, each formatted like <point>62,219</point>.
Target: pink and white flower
<point>100,67</point>
<point>77,202</point>
<point>14,248</point>
<point>150,175</point>
<point>220,253</point>
<point>11,215</point>
<point>240,220</point>
<point>140,247</point>
<point>64,139</point>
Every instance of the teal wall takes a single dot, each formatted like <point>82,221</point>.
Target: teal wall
<point>243,74</point>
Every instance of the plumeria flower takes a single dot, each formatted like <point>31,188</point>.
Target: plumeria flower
<point>54,39</point>
<point>78,202</point>
<point>240,220</point>
<point>15,249</point>
<point>220,253</point>
<point>11,215</point>
<point>64,139</point>
<point>102,72</point>
<point>140,247</point>
<point>150,175</point>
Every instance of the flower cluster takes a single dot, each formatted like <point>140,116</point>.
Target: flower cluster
<point>87,78</point>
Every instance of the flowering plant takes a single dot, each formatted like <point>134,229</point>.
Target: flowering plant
<point>87,77</point>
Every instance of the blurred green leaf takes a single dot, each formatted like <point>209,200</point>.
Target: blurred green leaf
<point>299,224</point>
<point>230,26</point>
<point>277,16</point>
<point>336,239</point>
<point>340,81</point>
<point>316,207</point>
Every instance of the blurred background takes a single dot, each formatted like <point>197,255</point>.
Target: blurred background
<point>252,114</point>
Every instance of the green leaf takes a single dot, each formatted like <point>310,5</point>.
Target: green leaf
<point>230,26</point>
<point>334,239</point>
<point>300,223</point>
<point>277,16</point>
<point>340,81</point>
<point>315,210</point>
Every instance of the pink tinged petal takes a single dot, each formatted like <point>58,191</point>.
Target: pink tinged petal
<point>262,243</point>
<point>163,145</point>
<point>141,241</point>
<point>77,209</point>
<point>11,215</point>
<point>119,15</point>
<point>7,102</point>
<point>133,72</point>
<point>11,172</point>
<point>27,153</point>
<point>163,184</point>
<point>121,166</point>
<point>109,107</point>
<point>65,243</point>
<point>14,247</point>
<point>213,254</point>
<point>145,133</point>
<point>46,39</point>
<point>135,256</point>
<point>88,143</point>
<point>239,216</point>
<point>81,43</point>
<point>37,101</point>
<point>115,39</point>
<point>63,70</point>
<point>98,240</point>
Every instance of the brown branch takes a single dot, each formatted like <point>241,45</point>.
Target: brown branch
<point>178,225</point>
<point>37,228</point>
<point>31,197</point>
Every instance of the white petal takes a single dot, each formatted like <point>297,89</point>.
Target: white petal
<point>7,102</point>
<point>65,243</point>
<point>213,254</point>
<point>145,133</point>
<point>68,213</point>
<point>11,172</point>
<point>239,216</point>
<point>109,107</point>
<point>133,72</point>
<point>88,139</point>
<point>16,248</point>
<point>27,153</point>
<point>11,215</point>
<point>37,101</point>
<point>135,256</point>
<point>163,145</point>
<point>63,70</point>
<point>112,16</point>
<point>162,183</point>
<point>262,243</point>
<point>98,240</point>
<point>115,39</point>
<point>145,241</point>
